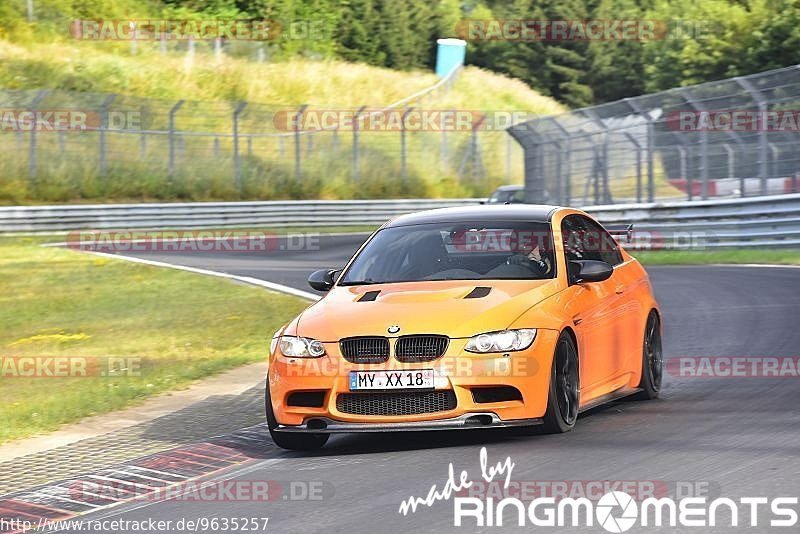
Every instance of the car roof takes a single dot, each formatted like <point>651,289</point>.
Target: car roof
<point>510,188</point>
<point>503,212</point>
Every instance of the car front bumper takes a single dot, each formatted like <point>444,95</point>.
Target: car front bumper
<point>458,371</point>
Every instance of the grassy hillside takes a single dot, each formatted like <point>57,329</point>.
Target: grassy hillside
<point>104,67</point>
<point>67,168</point>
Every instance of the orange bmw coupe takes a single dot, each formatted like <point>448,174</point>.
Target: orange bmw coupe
<point>463,318</point>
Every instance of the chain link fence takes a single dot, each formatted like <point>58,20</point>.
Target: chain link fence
<point>731,138</point>
<point>114,34</point>
<point>58,145</point>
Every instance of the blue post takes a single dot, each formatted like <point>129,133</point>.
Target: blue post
<point>450,53</point>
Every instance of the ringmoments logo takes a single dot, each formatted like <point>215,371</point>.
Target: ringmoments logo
<point>615,511</point>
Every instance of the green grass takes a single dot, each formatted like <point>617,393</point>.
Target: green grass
<point>184,327</point>
<point>205,167</point>
<point>732,256</point>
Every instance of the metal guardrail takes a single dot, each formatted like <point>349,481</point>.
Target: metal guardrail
<point>212,214</point>
<point>771,221</point>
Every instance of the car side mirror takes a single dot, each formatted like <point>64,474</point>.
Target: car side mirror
<point>323,279</point>
<point>589,271</point>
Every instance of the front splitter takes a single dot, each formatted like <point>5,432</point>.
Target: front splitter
<point>471,421</point>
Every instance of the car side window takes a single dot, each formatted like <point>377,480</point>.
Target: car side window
<point>604,247</point>
<point>578,244</point>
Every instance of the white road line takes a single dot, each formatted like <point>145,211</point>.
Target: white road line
<point>123,482</point>
<point>162,473</point>
<point>139,475</point>
<point>245,279</point>
<point>40,496</point>
<point>114,509</point>
<point>760,265</point>
<point>71,244</point>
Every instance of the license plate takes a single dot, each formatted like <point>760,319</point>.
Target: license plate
<point>413,379</point>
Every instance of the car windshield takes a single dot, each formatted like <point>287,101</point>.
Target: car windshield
<point>455,251</point>
<point>499,197</point>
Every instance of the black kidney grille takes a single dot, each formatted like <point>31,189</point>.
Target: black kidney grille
<point>396,403</point>
<point>422,348</point>
<point>365,349</point>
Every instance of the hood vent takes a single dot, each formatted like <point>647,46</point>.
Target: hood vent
<point>478,293</point>
<point>369,296</point>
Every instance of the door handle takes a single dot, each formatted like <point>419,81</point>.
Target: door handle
<point>620,289</point>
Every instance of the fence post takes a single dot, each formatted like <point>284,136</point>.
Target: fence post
<point>103,130</point>
<point>475,152</point>
<point>403,163</point>
<point>444,149</point>
<point>237,164</point>
<point>762,132</point>
<point>704,163</point>
<point>684,166</point>
<point>298,171</point>
<point>508,159</point>
<point>172,113</point>
<point>606,190</point>
<point>559,185</point>
<point>356,118</point>
<point>638,147</point>
<point>32,149</point>
<point>775,152</point>
<point>564,189</point>
<point>30,10</point>
<point>651,183</point>
<point>134,40</point>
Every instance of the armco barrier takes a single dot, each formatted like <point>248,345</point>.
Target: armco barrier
<point>770,221</point>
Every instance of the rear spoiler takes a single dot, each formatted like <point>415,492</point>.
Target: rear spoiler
<point>621,230</point>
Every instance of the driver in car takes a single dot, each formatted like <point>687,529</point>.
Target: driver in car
<point>529,255</point>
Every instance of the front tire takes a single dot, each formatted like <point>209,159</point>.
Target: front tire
<point>290,441</point>
<point>563,397</point>
<point>652,359</point>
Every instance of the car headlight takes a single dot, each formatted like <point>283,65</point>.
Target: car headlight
<point>502,341</point>
<point>274,342</point>
<point>301,347</point>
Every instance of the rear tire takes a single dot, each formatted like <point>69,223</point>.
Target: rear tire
<point>287,440</point>
<point>563,397</point>
<point>652,359</point>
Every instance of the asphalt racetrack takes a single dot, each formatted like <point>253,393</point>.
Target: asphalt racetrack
<point>732,437</point>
